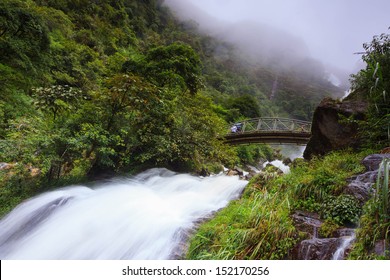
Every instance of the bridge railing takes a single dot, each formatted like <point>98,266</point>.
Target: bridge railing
<point>272,125</point>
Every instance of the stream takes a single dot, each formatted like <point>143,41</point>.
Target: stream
<point>148,216</point>
<point>143,217</point>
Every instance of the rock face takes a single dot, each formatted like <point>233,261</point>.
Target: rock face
<point>330,131</point>
<point>318,248</point>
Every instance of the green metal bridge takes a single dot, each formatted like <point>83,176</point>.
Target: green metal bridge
<point>269,130</point>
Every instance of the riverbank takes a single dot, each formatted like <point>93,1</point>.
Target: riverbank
<point>260,225</point>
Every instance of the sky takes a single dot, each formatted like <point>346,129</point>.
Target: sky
<point>333,30</point>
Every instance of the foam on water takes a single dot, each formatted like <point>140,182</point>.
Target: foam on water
<point>128,218</point>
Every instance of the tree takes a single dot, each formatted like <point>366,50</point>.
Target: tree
<point>175,65</point>
<point>373,83</point>
<point>246,105</point>
<point>23,35</point>
<point>57,98</point>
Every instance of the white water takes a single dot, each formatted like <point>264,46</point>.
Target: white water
<point>347,240</point>
<point>144,217</point>
<point>279,164</point>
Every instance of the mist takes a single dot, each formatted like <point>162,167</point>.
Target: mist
<point>318,37</point>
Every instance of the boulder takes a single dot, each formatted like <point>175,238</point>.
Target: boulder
<point>372,162</point>
<point>330,128</point>
<point>307,222</point>
<point>317,249</point>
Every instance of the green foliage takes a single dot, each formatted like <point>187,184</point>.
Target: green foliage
<point>98,86</point>
<point>252,154</point>
<point>246,106</point>
<point>23,35</point>
<point>373,84</point>
<point>344,209</point>
<point>257,226</point>
<point>16,187</point>
<point>375,222</point>
<point>328,228</point>
<point>382,190</point>
<point>57,98</point>
<point>175,65</point>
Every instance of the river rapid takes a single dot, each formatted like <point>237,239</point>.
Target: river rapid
<point>141,217</point>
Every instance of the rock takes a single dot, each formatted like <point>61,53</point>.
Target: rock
<point>204,172</point>
<point>239,170</point>
<point>329,130</point>
<point>250,175</point>
<point>287,161</point>
<point>317,249</point>
<point>232,173</point>
<point>372,162</point>
<point>361,186</point>
<point>6,166</point>
<point>385,151</point>
<point>307,222</point>
<point>342,232</point>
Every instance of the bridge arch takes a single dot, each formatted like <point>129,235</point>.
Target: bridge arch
<point>270,130</point>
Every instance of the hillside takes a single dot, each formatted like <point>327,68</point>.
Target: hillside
<point>93,89</point>
<point>100,87</point>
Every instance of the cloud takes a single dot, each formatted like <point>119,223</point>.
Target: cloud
<point>330,31</point>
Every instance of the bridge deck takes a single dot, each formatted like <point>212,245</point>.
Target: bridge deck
<point>270,130</point>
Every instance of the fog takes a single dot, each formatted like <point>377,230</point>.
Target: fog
<point>286,33</point>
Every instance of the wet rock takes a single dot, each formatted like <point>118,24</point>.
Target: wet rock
<point>287,161</point>
<point>317,249</point>
<point>342,232</point>
<point>239,171</point>
<point>307,222</point>
<point>204,172</point>
<point>232,173</point>
<point>250,175</point>
<point>361,186</point>
<point>372,162</point>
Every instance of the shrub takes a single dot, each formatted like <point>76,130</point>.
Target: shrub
<point>343,209</point>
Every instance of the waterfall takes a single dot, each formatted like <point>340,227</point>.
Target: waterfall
<point>142,217</point>
<point>347,240</point>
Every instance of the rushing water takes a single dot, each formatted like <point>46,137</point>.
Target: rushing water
<point>340,252</point>
<point>143,217</point>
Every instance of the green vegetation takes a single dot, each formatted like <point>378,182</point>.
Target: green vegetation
<point>259,225</point>
<point>90,88</point>
<point>372,84</point>
<point>375,223</point>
